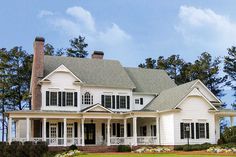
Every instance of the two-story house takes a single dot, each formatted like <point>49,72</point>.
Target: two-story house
<point>99,102</point>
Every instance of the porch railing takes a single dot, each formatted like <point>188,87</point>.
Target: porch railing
<point>146,140</point>
<point>19,139</point>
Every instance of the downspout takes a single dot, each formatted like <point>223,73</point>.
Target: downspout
<point>159,130</point>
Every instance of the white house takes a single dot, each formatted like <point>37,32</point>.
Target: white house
<point>99,102</point>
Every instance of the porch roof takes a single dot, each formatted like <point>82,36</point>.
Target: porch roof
<point>225,112</point>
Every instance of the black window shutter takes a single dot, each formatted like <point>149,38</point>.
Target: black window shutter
<point>59,98</point>
<point>128,102</point>
<point>113,129</point>
<point>47,98</point>
<point>181,130</point>
<point>141,101</point>
<point>47,129</point>
<point>207,130</point>
<point>155,130</point>
<point>59,129</point>
<point>192,130</point>
<point>128,130</point>
<point>197,130</point>
<point>117,101</point>
<point>64,99</point>
<point>113,101</point>
<point>102,100</point>
<point>103,131</point>
<point>75,99</point>
<point>118,129</point>
<point>76,129</point>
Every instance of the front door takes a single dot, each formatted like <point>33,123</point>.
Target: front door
<point>89,133</point>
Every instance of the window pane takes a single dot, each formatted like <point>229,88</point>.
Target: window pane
<point>122,101</point>
<point>69,99</point>
<point>186,130</point>
<point>136,101</point>
<point>108,101</point>
<point>53,98</point>
<point>202,130</point>
<point>87,99</point>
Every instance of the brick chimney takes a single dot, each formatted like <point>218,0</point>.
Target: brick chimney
<point>37,73</point>
<point>97,55</point>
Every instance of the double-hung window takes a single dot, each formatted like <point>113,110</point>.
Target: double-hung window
<point>202,130</point>
<point>61,98</point>
<point>107,101</point>
<point>53,98</point>
<point>123,102</point>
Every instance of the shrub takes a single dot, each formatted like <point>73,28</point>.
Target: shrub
<point>187,148</point>
<point>220,141</point>
<point>124,148</point>
<point>178,147</point>
<point>73,147</point>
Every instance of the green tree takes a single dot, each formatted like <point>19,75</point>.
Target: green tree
<point>207,70</point>
<point>4,87</point>
<point>149,64</point>
<point>77,48</point>
<point>50,50</point>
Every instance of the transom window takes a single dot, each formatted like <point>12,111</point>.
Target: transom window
<point>87,99</point>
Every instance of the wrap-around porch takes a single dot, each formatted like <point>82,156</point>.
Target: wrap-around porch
<point>86,129</point>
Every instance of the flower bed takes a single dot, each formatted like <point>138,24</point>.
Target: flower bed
<point>153,150</point>
<point>219,149</point>
<point>71,153</point>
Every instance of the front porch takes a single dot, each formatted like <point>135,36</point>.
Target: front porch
<point>83,129</point>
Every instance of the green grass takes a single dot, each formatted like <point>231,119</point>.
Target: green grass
<point>148,155</point>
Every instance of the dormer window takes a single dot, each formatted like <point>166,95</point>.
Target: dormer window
<point>87,99</point>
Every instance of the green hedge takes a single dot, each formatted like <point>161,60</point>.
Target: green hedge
<point>124,148</point>
<point>28,149</point>
<point>194,147</point>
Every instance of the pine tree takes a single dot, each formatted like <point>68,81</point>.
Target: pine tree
<point>77,48</point>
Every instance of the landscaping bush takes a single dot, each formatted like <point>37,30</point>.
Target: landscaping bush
<point>229,134</point>
<point>2,147</point>
<point>178,147</point>
<point>73,147</point>
<point>124,148</point>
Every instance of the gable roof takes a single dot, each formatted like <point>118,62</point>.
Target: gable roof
<point>170,98</point>
<point>96,108</point>
<point>94,72</point>
<point>150,80</point>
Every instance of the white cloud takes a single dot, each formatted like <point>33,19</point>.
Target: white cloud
<point>44,13</point>
<point>79,21</point>
<point>206,28</point>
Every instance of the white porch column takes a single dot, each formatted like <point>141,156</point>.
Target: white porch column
<point>28,128</point>
<point>135,130</point>
<point>108,132</point>
<point>65,132</point>
<point>9,129</point>
<point>44,129</point>
<point>231,121</point>
<point>125,128</point>
<point>82,131</point>
<point>157,129</point>
<point>78,133</point>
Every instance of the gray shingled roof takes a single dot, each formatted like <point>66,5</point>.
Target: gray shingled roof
<point>150,80</point>
<point>98,72</point>
<point>169,98</point>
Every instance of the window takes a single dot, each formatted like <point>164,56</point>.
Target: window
<point>87,99</point>
<point>69,99</point>
<point>186,130</point>
<point>53,98</point>
<point>69,130</point>
<point>143,130</point>
<point>61,98</point>
<point>107,101</point>
<point>201,130</point>
<point>122,102</point>
<point>136,101</point>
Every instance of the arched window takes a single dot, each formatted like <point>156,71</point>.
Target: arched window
<point>87,99</point>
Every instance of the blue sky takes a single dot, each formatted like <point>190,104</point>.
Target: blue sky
<point>129,31</point>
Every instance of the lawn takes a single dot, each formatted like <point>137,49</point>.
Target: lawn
<point>149,155</point>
